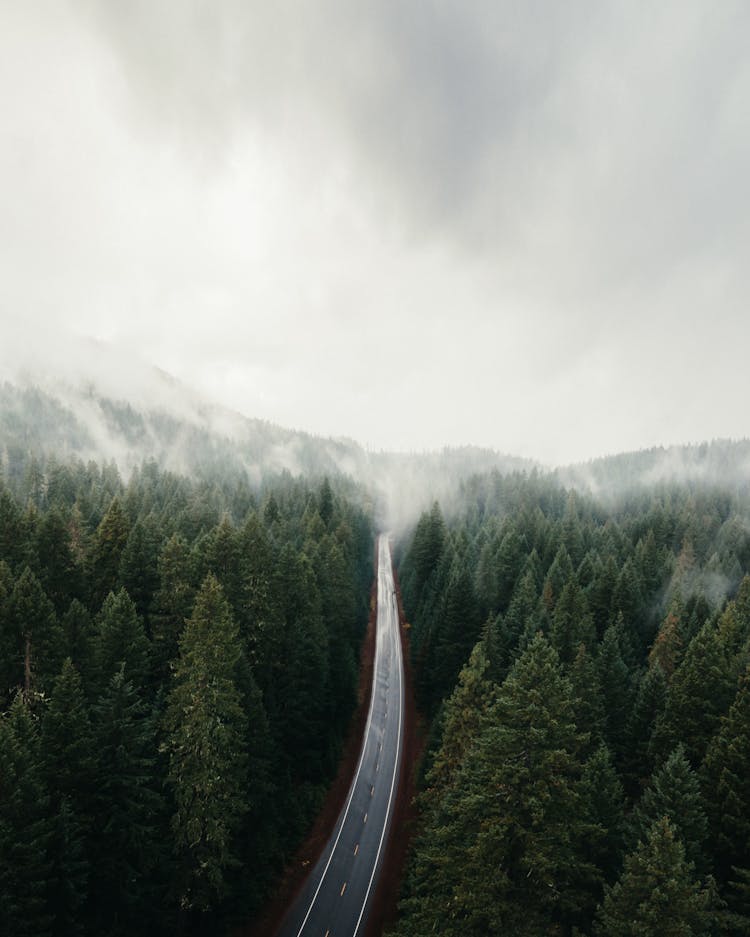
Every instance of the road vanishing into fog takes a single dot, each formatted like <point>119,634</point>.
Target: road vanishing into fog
<point>335,899</point>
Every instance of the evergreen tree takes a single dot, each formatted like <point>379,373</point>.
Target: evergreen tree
<point>701,691</point>
<point>24,827</point>
<point>109,543</point>
<point>589,700</point>
<point>138,570</point>
<point>462,719</point>
<point>172,603</point>
<point>667,649</point>
<point>128,859</point>
<point>506,852</point>
<point>37,640</point>
<point>120,643</point>
<point>78,636</point>
<point>614,679</point>
<point>206,731</point>
<point>572,624</point>
<point>657,894</point>
<point>60,576</point>
<point>69,872</point>
<point>505,632</point>
<point>603,802</point>
<point>674,792</point>
<point>68,749</point>
<point>725,774</point>
<point>648,708</point>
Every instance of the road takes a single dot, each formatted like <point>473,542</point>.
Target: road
<point>335,899</point>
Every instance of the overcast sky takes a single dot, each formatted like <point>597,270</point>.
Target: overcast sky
<point>523,225</point>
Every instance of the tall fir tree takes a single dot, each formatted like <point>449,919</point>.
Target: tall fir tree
<point>120,643</point>
<point>128,859</point>
<point>25,827</point>
<point>658,894</point>
<point>725,774</point>
<point>206,730</point>
<point>674,792</point>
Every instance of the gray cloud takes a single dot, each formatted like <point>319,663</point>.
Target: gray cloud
<point>529,219</point>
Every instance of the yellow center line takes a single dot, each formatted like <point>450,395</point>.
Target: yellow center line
<point>356,849</point>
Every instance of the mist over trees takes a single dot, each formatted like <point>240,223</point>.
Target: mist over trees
<point>584,664</point>
<point>179,661</point>
<point>179,650</point>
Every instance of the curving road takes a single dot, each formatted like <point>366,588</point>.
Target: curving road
<point>334,900</point>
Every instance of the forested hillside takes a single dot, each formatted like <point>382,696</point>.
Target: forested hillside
<point>178,663</point>
<point>584,666</point>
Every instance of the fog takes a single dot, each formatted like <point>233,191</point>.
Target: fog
<point>517,226</point>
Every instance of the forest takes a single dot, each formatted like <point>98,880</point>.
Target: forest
<point>178,665</point>
<point>179,651</point>
<point>583,667</point>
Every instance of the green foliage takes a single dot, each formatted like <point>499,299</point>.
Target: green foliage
<point>25,826</point>
<point>128,860</point>
<point>121,566</point>
<point>505,850</point>
<point>120,643</point>
<point>725,774</point>
<point>674,793</point>
<point>657,894</point>
<point>629,592</point>
<point>206,730</point>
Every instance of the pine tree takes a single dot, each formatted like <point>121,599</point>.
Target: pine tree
<point>69,872</point>
<point>667,649</point>
<point>701,691</point>
<point>725,774</point>
<point>572,624</point>
<point>615,682</point>
<point>603,801</point>
<point>648,708</point>
<point>24,827</point>
<point>172,603</point>
<point>506,852</point>
<point>37,637</point>
<point>138,571</point>
<point>674,792</point>
<point>589,700</point>
<point>68,748</point>
<point>78,633</point>
<point>505,631</point>
<point>325,503</point>
<point>206,730</point>
<point>66,737</point>
<point>60,575</point>
<point>109,543</point>
<point>462,719</point>
<point>657,894</point>
<point>127,844</point>
<point>121,642</point>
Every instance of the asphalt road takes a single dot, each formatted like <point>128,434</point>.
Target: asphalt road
<point>337,895</point>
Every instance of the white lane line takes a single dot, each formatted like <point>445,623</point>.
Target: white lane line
<point>343,889</point>
<point>393,783</point>
<point>351,790</point>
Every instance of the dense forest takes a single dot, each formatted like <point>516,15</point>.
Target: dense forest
<point>584,669</point>
<point>178,665</point>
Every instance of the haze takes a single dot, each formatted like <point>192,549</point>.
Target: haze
<point>517,225</point>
